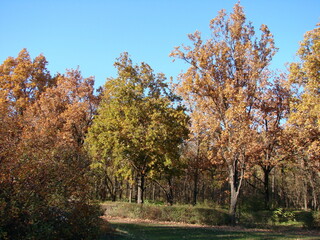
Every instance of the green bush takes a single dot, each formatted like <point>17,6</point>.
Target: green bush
<point>280,215</point>
<point>316,219</point>
<point>255,218</point>
<point>309,219</point>
<point>179,213</point>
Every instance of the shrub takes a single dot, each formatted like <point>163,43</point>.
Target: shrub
<point>47,200</point>
<point>309,219</point>
<point>280,215</point>
<point>316,219</point>
<point>179,213</point>
<point>77,220</point>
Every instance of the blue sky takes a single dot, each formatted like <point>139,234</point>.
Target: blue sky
<point>92,34</point>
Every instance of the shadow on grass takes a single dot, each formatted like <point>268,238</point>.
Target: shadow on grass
<point>126,231</point>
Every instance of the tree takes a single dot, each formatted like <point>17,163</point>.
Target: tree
<point>224,78</point>
<point>44,191</point>
<point>270,145</point>
<point>63,113</point>
<point>139,125</point>
<point>195,154</point>
<point>196,150</point>
<point>305,109</point>
<point>24,80</point>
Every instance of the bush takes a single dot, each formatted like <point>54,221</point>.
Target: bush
<point>309,219</point>
<point>255,218</point>
<point>316,219</point>
<point>48,199</point>
<point>182,213</point>
<point>280,215</point>
<point>75,221</point>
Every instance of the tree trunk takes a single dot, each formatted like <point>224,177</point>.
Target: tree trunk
<point>130,192</point>
<point>185,190</point>
<point>305,201</point>
<point>266,172</point>
<point>273,186</point>
<point>153,192</point>
<point>141,180</point>
<point>169,193</point>
<point>114,190</point>
<point>111,186</point>
<point>305,195</point>
<point>235,180</point>
<point>233,202</point>
<point>195,186</point>
<point>120,186</point>
<point>314,195</point>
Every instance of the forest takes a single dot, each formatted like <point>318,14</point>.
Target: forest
<point>228,132</point>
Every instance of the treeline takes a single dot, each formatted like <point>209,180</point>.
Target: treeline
<point>230,132</point>
<point>253,134</point>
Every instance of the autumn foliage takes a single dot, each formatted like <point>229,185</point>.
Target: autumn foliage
<point>229,127</point>
<point>43,165</point>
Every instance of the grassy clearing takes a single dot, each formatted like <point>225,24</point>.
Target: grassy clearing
<point>152,231</point>
<point>150,221</point>
<point>214,216</point>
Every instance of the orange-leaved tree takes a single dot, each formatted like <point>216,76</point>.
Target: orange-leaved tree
<point>224,78</point>
<point>43,177</point>
<point>271,144</point>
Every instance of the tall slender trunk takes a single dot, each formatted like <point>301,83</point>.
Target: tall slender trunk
<point>185,190</point>
<point>169,193</point>
<point>141,180</point>
<point>153,192</point>
<point>314,194</point>
<point>195,186</point>
<point>273,186</point>
<point>266,172</point>
<point>235,181</point>
<point>233,200</point>
<point>305,201</point>
<point>129,191</point>
<point>114,190</point>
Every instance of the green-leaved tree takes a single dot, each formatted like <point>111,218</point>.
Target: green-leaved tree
<point>139,125</point>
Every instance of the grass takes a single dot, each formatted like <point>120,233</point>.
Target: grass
<point>152,231</point>
<point>158,222</point>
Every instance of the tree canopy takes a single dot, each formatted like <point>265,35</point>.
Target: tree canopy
<point>139,125</point>
<point>226,75</point>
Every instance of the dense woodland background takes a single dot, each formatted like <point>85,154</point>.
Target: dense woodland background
<point>230,132</point>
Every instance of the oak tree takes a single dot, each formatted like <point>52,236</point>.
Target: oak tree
<point>139,125</point>
<point>43,171</point>
<point>224,77</point>
<point>270,144</point>
<point>305,108</point>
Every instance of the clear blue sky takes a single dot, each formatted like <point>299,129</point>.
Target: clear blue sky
<point>91,34</point>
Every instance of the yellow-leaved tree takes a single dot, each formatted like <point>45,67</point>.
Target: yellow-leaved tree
<point>139,126</point>
<point>305,109</point>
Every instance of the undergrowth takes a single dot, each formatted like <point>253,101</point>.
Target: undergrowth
<point>209,215</point>
<point>179,213</point>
